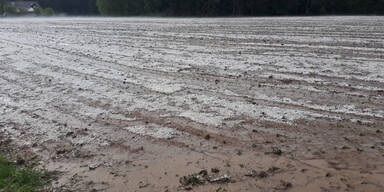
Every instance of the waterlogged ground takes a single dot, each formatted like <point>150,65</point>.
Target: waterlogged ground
<point>135,104</point>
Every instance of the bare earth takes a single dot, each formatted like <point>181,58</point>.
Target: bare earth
<point>135,104</point>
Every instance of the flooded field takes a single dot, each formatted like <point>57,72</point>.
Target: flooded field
<point>135,104</point>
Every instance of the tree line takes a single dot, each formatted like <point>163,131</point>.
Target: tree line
<point>6,8</point>
<point>71,7</point>
<point>215,7</point>
<point>239,7</point>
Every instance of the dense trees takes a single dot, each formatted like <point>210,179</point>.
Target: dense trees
<point>239,7</point>
<point>213,7</point>
<point>2,4</point>
<point>72,7</point>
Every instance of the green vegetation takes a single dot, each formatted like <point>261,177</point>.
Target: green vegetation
<point>14,11</point>
<point>44,12</point>
<point>239,7</point>
<point>72,7</point>
<point>2,3</point>
<point>37,11</point>
<point>277,151</point>
<point>47,12</point>
<point>10,9</point>
<point>216,7</point>
<point>15,179</point>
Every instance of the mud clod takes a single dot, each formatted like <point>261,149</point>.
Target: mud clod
<point>284,185</point>
<point>273,169</point>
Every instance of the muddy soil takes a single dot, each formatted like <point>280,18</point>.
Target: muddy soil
<point>136,104</point>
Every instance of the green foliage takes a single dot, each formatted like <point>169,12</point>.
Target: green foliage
<point>37,11</point>
<point>44,12</point>
<point>215,7</point>
<point>101,6</point>
<point>13,179</point>
<point>10,9</point>
<point>47,12</point>
<point>73,7</point>
<point>22,12</point>
<point>2,3</point>
<point>239,7</point>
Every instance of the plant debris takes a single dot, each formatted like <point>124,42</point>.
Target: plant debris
<point>194,179</point>
<point>202,177</point>
<point>253,173</point>
<point>275,151</point>
<point>221,179</point>
<point>215,170</point>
